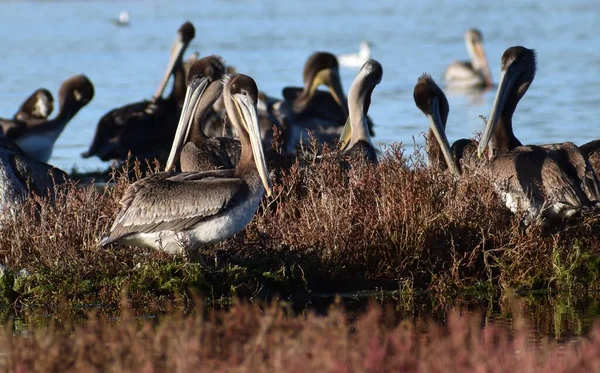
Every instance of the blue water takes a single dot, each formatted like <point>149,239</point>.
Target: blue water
<point>44,42</point>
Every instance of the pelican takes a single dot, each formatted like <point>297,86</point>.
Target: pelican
<point>473,74</point>
<point>358,59</point>
<point>182,211</point>
<point>431,100</point>
<point>355,140</point>
<point>35,109</point>
<point>145,128</point>
<point>308,109</point>
<point>202,152</point>
<point>37,138</point>
<point>22,176</point>
<point>547,182</point>
<point>591,151</point>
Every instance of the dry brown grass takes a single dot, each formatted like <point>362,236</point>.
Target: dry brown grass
<point>249,338</point>
<point>327,229</point>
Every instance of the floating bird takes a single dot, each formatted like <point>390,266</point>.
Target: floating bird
<point>183,211</point>
<point>21,176</point>
<point>547,182</point>
<point>37,137</point>
<point>123,19</point>
<point>355,140</point>
<point>432,101</point>
<point>146,128</point>
<point>357,59</point>
<point>308,109</point>
<point>473,74</point>
<point>35,109</point>
<point>201,152</point>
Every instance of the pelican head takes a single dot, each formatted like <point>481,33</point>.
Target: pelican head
<point>518,66</point>
<point>185,34</point>
<point>359,100</point>
<point>75,93</point>
<point>430,99</point>
<point>474,43</point>
<point>203,89</point>
<point>322,68</point>
<point>240,95</point>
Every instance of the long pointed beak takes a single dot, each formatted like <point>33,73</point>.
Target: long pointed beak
<point>336,90</point>
<point>176,54</point>
<point>505,85</point>
<point>249,117</point>
<point>435,122</point>
<point>192,96</point>
<point>346,136</point>
<point>485,66</point>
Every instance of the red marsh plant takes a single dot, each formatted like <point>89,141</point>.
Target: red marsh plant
<point>250,338</point>
<point>326,229</point>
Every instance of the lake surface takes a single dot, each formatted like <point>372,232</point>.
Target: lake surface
<point>45,42</point>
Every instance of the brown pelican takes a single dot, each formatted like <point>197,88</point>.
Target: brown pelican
<point>355,140</point>
<point>591,151</point>
<point>476,73</point>
<point>308,109</point>
<point>550,181</point>
<point>21,176</point>
<point>200,151</point>
<point>36,109</point>
<point>37,138</point>
<point>176,211</point>
<point>431,100</point>
<point>145,128</point>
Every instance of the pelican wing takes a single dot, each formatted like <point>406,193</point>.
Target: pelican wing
<point>574,161</point>
<point>39,177</point>
<point>175,202</point>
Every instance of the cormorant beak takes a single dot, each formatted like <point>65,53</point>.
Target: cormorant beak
<point>435,122</point>
<point>179,46</point>
<point>247,112</point>
<point>192,95</point>
<point>506,83</point>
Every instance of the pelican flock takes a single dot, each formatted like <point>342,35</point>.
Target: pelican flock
<point>217,128</point>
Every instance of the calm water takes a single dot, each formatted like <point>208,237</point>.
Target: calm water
<point>44,42</point>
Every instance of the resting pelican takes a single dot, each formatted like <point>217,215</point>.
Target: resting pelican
<point>550,181</point>
<point>476,73</point>
<point>355,140</point>
<point>591,151</point>
<point>308,109</point>
<point>145,128</point>
<point>200,151</point>
<point>358,59</point>
<point>182,211</point>
<point>37,137</point>
<point>431,100</point>
<point>21,176</point>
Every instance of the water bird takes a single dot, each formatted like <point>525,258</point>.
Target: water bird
<point>145,128</point>
<point>35,109</point>
<point>195,150</point>
<point>470,74</point>
<point>547,182</point>
<point>432,101</point>
<point>355,140</point>
<point>356,59</point>
<point>591,151</point>
<point>37,137</point>
<point>174,211</point>
<point>308,109</point>
<point>123,19</point>
<point>21,176</point>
